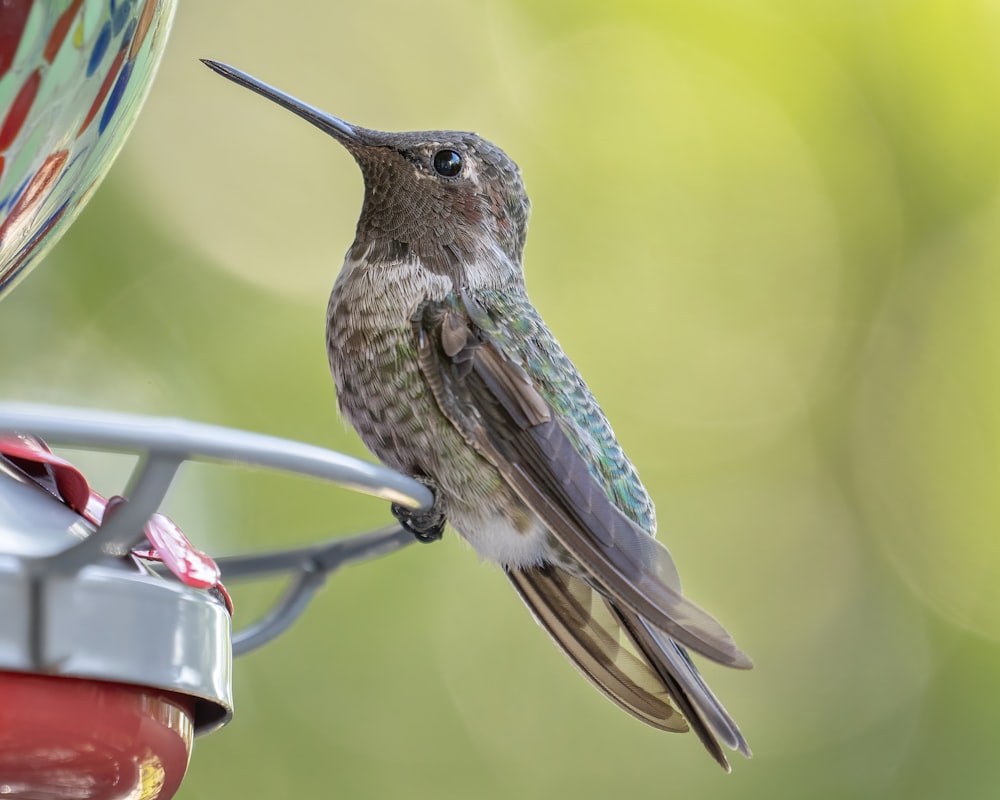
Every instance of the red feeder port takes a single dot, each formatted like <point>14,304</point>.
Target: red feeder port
<point>82,739</point>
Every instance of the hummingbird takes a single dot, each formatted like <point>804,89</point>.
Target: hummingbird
<point>449,374</point>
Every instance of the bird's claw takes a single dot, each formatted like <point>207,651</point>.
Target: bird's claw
<point>426,525</point>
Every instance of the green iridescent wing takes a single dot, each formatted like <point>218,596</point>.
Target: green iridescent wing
<point>497,407</point>
<point>617,619</point>
<point>513,324</point>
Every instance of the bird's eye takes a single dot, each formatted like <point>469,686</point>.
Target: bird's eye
<point>447,163</point>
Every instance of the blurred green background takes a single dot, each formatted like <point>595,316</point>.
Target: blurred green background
<point>768,234</point>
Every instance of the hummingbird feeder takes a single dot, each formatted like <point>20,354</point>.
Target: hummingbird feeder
<point>115,642</point>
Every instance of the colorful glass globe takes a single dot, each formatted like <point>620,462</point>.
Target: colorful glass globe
<point>73,76</point>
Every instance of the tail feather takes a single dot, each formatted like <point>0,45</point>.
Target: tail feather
<point>635,665</point>
<point>701,708</point>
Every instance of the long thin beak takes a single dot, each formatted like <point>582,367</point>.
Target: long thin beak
<point>328,123</point>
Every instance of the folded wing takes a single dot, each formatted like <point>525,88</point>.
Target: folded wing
<point>494,405</point>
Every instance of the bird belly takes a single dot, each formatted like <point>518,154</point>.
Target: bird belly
<point>512,537</point>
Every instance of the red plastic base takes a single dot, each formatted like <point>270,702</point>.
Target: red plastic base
<point>70,738</point>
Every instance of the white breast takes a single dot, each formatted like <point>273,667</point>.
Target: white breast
<point>495,538</point>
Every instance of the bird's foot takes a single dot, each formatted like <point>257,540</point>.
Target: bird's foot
<point>426,525</point>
